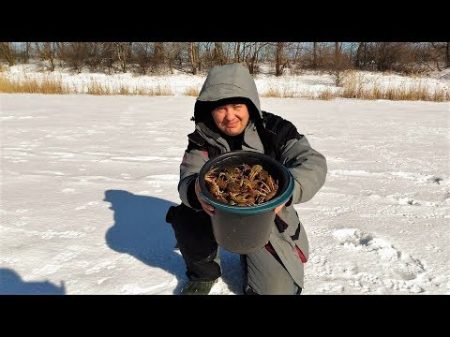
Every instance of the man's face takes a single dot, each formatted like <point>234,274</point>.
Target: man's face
<point>231,119</point>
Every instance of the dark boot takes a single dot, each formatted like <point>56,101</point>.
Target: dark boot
<point>197,288</point>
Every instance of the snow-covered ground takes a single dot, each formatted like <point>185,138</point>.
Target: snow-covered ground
<point>86,182</point>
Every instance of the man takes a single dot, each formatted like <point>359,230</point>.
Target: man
<point>228,117</point>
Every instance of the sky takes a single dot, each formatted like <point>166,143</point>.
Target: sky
<point>87,180</point>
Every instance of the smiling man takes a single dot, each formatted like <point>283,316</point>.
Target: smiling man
<point>231,119</point>
<point>228,117</point>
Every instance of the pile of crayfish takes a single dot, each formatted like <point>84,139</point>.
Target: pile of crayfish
<point>242,185</point>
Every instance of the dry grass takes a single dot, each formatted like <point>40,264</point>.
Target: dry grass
<point>326,95</point>
<point>33,86</point>
<point>354,88</point>
<point>191,91</point>
<point>96,88</point>
<point>441,95</point>
<point>159,90</point>
<point>272,92</point>
<point>280,93</point>
<point>140,92</point>
<point>54,86</point>
<point>125,91</point>
<point>289,93</point>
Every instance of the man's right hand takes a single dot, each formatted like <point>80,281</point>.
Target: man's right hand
<point>209,209</point>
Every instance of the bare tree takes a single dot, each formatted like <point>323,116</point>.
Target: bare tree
<point>93,55</point>
<point>298,51</point>
<point>207,55</point>
<point>158,56</point>
<point>337,63</point>
<point>174,55</point>
<point>394,56</point>
<point>7,53</point>
<point>142,56</point>
<point>181,55</point>
<point>313,57</point>
<point>47,53</point>
<point>26,54</point>
<point>447,55</point>
<point>237,52</point>
<point>252,58</point>
<point>242,51</point>
<point>425,56</point>
<point>218,54</point>
<point>123,52</point>
<point>361,55</point>
<point>108,56</point>
<point>253,55</point>
<point>314,60</point>
<point>194,57</point>
<point>441,51</point>
<point>76,55</point>
<point>280,58</point>
<point>337,53</point>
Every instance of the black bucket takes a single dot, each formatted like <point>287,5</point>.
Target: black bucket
<point>243,229</point>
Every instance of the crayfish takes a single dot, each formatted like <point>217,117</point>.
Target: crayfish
<point>242,185</point>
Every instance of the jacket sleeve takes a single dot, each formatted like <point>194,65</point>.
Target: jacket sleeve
<point>193,160</point>
<point>308,167</point>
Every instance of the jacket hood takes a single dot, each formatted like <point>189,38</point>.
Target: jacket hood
<point>224,85</point>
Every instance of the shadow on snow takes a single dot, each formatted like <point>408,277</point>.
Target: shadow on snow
<point>12,284</point>
<point>140,229</point>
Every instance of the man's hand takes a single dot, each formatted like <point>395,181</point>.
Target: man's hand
<point>278,209</point>
<point>209,209</point>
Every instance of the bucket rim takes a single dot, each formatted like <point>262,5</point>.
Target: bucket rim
<point>250,210</point>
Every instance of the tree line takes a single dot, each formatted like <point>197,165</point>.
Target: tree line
<point>260,57</point>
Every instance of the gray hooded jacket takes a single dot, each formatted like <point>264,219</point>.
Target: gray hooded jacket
<point>308,167</point>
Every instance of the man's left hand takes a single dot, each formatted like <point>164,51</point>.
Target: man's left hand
<point>278,209</point>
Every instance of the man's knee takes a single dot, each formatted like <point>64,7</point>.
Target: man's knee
<point>265,275</point>
<point>273,287</point>
<point>193,232</point>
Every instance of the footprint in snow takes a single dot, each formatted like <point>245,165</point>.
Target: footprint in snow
<point>402,264</point>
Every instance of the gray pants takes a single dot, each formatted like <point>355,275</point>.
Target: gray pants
<point>265,275</point>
